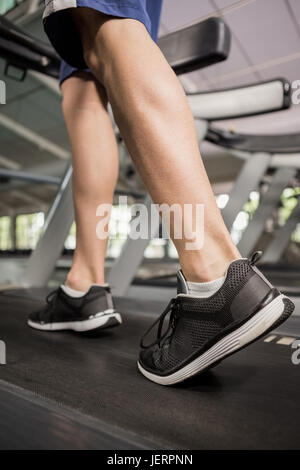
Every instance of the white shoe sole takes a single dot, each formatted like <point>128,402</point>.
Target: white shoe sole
<point>234,341</point>
<point>100,320</point>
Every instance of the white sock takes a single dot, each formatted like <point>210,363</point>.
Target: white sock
<point>72,292</point>
<point>78,293</point>
<point>205,289</point>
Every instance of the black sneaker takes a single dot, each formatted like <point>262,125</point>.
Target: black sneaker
<point>202,332</point>
<point>94,310</point>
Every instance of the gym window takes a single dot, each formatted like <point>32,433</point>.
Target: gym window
<point>28,230</point>
<point>5,233</point>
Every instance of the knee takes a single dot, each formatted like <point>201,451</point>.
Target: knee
<point>81,92</point>
<point>103,38</point>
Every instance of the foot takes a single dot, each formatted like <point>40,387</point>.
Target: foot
<point>202,332</point>
<point>94,310</point>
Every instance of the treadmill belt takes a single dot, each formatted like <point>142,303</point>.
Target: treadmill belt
<point>250,401</point>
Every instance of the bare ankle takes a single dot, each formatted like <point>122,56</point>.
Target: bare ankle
<point>206,268</point>
<point>82,281</point>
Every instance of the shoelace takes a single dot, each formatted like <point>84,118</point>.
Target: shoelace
<point>171,307</point>
<point>51,297</point>
<point>255,257</point>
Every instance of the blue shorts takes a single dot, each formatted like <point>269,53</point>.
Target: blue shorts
<point>63,35</point>
<point>153,9</point>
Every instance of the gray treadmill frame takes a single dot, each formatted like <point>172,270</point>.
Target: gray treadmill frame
<point>269,202</point>
<point>286,168</point>
<point>282,236</point>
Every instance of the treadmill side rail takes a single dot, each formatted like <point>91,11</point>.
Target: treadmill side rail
<point>196,46</point>
<point>258,98</point>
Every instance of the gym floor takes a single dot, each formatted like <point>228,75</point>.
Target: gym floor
<point>87,389</point>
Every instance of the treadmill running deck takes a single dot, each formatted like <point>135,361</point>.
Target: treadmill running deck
<point>251,400</point>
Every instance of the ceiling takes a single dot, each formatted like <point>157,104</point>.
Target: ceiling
<point>265,38</point>
<point>265,45</point>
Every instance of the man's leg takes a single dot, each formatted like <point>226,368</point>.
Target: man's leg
<point>85,304</point>
<point>95,171</point>
<point>151,110</point>
<point>210,318</point>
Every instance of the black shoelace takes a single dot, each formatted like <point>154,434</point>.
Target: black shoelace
<point>255,257</point>
<point>172,307</point>
<point>51,298</point>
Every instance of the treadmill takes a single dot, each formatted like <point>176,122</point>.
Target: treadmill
<point>68,391</point>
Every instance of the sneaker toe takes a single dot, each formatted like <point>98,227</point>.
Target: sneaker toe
<point>147,358</point>
<point>36,316</point>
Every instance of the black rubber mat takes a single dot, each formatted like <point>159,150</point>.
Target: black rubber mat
<point>32,423</point>
<point>249,401</point>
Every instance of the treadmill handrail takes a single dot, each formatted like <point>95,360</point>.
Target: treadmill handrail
<point>26,52</point>
<point>196,46</point>
<point>187,49</point>
<point>274,144</point>
<point>24,58</point>
<point>247,100</point>
<point>9,30</point>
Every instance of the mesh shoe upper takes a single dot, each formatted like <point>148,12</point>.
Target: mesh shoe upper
<point>196,323</point>
<point>60,307</point>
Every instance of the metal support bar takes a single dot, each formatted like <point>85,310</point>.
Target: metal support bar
<point>32,177</point>
<point>59,220</point>
<point>53,168</point>
<point>278,160</point>
<point>124,270</point>
<point>282,237</point>
<point>248,180</point>
<point>268,204</point>
<point>9,163</point>
<point>33,137</point>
